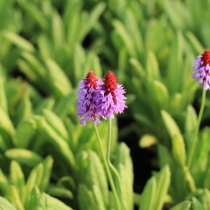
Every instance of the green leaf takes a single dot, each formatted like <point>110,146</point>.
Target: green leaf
<point>25,132</point>
<point>63,106</point>
<point>178,149</point>
<point>84,133</point>
<point>57,31</point>
<point>3,99</point>
<point>36,15</point>
<point>45,47</point>
<point>204,145</point>
<point>93,62</point>
<point>178,14</point>
<point>196,204</point>
<point>47,103</point>
<point>198,192</point>
<point>137,67</point>
<point>47,8</point>
<point>56,123</point>
<point>175,103</point>
<point>205,32</point>
<point>27,70</point>
<point>170,124</point>
<point>96,175</point>
<point>79,73</point>
<point>175,64</point>
<point>7,129</point>
<point>19,41</point>
<point>159,93</point>
<point>156,28</point>
<point>47,163</point>
<point>3,146</point>
<point>34,70</point>
<point>68,181</point>
<point>53,138</point>
<point>6,205</point>
<point>123,164</point>
<point>132,26</point>
<point>144,120</point>
<point>35,65</point>
<point>25,108</point>
<point>72,21</point>
<point>23,156</point>
<point>59,191</point>
<point>163,181</point>
<point>153,196</point>
<point>124,36</point>
<point>152,68</point>
<point>85,198</point>
<point>13,196</point>
<point>46,202</point>
<point>73,138</point>
<point>57,79</point>
<point>205,199</point>
<point>164,157</point>
<point>195,44</point>
<point>17,178</point>
<point>88,24</point>
<point>189,179</point>
<point>185,205</point>
<point>190,124</point>
<point>4,183</point>
<point>148,195</point>
<point>98,197</point>
<point>34,179</point>
<point>33,198</point>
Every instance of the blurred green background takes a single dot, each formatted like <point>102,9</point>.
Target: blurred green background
<point>48,46</point>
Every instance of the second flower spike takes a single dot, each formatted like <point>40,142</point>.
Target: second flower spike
<point>110,97</point>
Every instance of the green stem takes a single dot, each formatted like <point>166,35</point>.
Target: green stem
<point>194,140</point>
<point>107,170</point>
<point>113,169</point>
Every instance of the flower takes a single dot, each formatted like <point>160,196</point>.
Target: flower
<point>110,97</point>
<point>86,98</point>
<point>202,68</point>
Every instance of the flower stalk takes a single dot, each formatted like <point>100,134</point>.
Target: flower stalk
<point>106,164</point>
<point>194,140</point>
<point>112,168</point>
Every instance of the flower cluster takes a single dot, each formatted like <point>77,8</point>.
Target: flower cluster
<point>97,99</point>
<point>202,69</point>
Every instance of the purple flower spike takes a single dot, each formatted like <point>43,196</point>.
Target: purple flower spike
<point>110,97</point>
<point>86,98</point>
<point>202,69</point>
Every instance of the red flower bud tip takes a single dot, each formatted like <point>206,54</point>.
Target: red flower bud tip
<point>91,80</point>
<point>110,83</point>
<point>205,58</point>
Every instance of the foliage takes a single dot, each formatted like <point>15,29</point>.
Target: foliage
<point>47,47</point>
